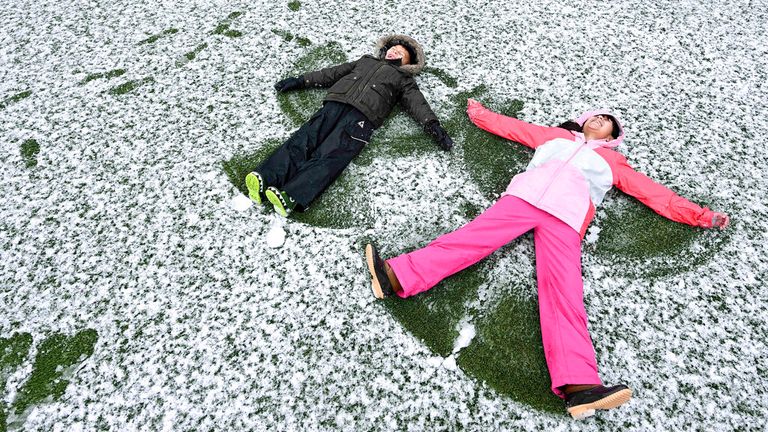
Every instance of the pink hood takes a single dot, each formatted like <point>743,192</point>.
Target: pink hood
<point>610,144</point>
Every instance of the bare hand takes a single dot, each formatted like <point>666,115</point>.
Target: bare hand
<point>474,108</point>
<point>720,220</point>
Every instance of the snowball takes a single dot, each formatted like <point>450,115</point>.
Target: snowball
<point>241,202</point>
<point>276,234</point>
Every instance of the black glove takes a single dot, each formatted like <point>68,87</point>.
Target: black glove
<point>439,134</point>
<point>293,83</point>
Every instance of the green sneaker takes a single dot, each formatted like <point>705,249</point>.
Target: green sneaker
<point>280,200</point>
<point>255,185</point>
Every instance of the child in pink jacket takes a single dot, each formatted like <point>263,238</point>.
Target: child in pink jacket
<point>555,196</point>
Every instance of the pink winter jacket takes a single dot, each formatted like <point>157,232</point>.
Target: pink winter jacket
<point>569,177</point>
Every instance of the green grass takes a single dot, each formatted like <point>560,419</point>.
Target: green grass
<point>491,161</point>
<point>433,316</point>
<point>508,355</point>
<point>634,236</point>
<point>288,36</point>
<point>443,76</point>
<point>193,54</point>
<point>13,352</point>
<point>634,231</point>
<point>223,29</point>
<point>56,355</point>
<point>29,150</point>
<point>156,37</point>
<point>398,137</point>
<point>130,86</point>
<point>233,33</point>
<point>340,206</point>
<point>294,5</point>
<point>15,98</point>
<point>99,75</point>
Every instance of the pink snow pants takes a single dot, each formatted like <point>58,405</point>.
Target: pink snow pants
<point>567,345</point>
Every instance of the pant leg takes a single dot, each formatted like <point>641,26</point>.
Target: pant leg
<point>567,344</point>
<point>285,161</point>
<point>330,157</point>
<point>422,269</point>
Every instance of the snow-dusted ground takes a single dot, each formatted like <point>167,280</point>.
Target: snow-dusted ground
<point>127,224</point>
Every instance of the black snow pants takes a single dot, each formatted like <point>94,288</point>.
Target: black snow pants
<point>316,154</point>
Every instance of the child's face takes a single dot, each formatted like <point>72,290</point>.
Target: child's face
<point>398,52</point>
<point>599,126</point>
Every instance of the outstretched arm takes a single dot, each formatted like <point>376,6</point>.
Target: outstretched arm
<point>511,128</point>
<point>328,76</point>
<point>416,106</point>
<point>322,78</point>
<point>662,200</point>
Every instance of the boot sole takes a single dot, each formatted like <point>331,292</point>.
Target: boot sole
<point>375,285</point>
<point>276,203</point>
<point>586,410</point>
<point>252,183</point>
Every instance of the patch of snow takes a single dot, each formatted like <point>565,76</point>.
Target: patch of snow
<point>466,334</point>
<point>593,234</point>
<point>276,235</point>
<point>241,202</point>
<point>450,362</point>
<point>435,361</point>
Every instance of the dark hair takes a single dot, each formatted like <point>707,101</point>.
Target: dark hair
<point>573,126</point>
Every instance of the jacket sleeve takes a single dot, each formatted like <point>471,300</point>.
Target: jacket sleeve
<point>414,103</point>
<point>528,134</point>
<point>328,76</point>
<point>659,198</point>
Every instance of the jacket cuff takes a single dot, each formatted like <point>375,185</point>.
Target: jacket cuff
<point>705,219</point>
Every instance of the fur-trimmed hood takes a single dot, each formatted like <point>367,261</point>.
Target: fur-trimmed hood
<point>386,42</point>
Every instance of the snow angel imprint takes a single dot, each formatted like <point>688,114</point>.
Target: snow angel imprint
<point>573,166</point>
<point>361,96</point>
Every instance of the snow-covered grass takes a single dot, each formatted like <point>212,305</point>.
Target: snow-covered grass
<point>138,294</point>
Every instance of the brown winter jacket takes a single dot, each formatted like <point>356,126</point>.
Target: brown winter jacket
<point>374,86</point>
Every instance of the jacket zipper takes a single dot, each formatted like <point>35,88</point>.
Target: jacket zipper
<point>559,170</point>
